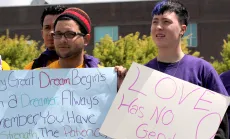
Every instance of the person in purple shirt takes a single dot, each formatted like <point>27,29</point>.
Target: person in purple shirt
<point>225,77</point>
<point>169,23</point>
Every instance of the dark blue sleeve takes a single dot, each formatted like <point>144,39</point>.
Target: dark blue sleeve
<point>214,83</point>
<point>225,77</point>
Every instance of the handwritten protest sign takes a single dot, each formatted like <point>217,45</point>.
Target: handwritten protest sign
<point>63,103</point>
<point>154,105</point>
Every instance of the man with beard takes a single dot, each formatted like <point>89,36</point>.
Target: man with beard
<point>71,35</point>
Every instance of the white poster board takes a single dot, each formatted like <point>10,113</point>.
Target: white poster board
<point>154,105</point>
<point>55,104</point>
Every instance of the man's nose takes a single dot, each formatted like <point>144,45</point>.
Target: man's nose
<point>63,38</point>
<point>50,32</point>
<point>159,26</point>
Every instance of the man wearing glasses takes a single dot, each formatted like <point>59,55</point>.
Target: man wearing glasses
<point>71,35</point>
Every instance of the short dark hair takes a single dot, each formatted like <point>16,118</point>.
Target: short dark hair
<point>172,6</point>
<point>52,10</point>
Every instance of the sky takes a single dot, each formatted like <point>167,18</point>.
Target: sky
<point>7,3</point>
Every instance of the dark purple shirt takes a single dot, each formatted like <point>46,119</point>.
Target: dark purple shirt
<point>199,72</point>
<point>194,70</point>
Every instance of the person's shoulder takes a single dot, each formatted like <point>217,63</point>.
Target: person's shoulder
<point>191,58</point>
<point>53,65</point>
<point>198,62</point>
<point>5,66</point>
<point>225,74</point>
<point>29,66</point>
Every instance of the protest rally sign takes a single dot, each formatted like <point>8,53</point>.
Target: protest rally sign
<point>60,103</point>
<point>154,105</point>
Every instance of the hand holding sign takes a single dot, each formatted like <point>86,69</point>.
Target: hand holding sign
<point>151,104</point>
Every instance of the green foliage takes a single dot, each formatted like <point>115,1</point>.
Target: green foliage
<point>224,65</point>
<point>125,50</point>
<point>128,49</point>
<point>18,51</point>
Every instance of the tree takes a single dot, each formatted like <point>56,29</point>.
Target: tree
<point>18,51</point>
<point>128,49</point>
<point>224,64</point>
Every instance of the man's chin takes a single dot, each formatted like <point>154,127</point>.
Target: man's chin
<point>64,56</point>
<point>162,45</point>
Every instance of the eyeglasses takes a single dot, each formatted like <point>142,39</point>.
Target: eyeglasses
<point>67,35</point>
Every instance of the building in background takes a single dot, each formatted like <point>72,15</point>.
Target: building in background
<point>207,27</point>
<point>15,3</point>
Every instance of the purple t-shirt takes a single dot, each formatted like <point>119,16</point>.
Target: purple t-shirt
<point>194,70</point>
<point>199,72</point>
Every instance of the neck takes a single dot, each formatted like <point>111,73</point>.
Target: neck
<point>170,55</point>
<point>71,62</point>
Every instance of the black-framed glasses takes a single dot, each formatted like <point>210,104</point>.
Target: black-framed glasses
<point>67,35</point>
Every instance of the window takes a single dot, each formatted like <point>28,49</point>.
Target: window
<point>100,32</point>
<point>192,33</point>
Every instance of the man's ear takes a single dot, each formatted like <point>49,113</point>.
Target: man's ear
<point>183,29</point>
<point>86,39</point>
